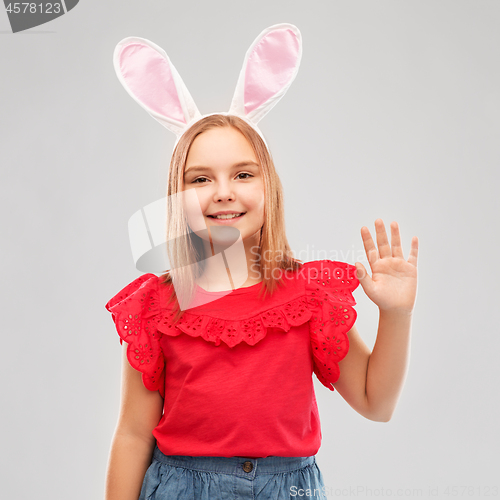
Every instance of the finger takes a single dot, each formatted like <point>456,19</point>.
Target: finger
<point>370,248</point>
<point>397,249</point>
<point>384,249</point>
<point>413,257</point>
<point>363,277</point>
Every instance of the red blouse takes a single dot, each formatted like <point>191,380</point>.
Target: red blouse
<point>236,373</point>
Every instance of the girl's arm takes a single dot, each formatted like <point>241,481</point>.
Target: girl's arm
<point>372,382</point>
<point>133,442</point>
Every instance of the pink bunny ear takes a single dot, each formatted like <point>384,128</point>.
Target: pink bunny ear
<point>269,68</point>
<point>147,74</point>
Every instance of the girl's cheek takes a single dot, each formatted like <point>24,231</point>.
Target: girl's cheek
<point>259,200</point>
<point>257,195</point>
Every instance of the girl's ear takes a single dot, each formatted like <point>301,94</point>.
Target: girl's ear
<point>147,74</point>
<point>269,68</point>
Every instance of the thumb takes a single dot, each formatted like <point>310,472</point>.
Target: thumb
<point>363,277</point>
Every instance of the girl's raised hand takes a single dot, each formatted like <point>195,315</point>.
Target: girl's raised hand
<point>393,284</point>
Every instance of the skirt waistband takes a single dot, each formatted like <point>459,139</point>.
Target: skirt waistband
<point>247,467</point>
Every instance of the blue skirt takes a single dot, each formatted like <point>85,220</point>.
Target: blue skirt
<point>231,478</point>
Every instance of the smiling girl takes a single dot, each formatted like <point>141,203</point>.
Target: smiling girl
<point>217,397</point>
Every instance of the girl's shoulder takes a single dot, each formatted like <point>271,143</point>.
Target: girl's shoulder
<point>328,287</point>
<point>137,289</point>
<point>333,278</point>
<point>135,310</point>
<point>329,271</point>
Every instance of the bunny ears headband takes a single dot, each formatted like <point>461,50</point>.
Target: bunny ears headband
<point>270,66</point>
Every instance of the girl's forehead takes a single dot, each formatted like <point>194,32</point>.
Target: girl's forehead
<point>221,146</point>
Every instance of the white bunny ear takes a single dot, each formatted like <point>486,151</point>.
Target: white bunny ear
<point>147,74</point>
<point>269,68</point>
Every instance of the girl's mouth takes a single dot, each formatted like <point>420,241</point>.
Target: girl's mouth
<point>226,220</point>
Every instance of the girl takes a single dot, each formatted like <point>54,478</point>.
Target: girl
<point>217,392</point>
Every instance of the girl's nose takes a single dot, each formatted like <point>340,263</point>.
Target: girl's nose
<point>223,192</point>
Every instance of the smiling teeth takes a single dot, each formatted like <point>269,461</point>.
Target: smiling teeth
<point>226,216</point>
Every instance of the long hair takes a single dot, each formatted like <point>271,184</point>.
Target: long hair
<point>185,249</point>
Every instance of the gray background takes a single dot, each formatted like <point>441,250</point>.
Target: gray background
<point>394,114</point>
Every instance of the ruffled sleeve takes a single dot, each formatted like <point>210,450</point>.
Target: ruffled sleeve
<point>136,312</point>
<point>329,287</point>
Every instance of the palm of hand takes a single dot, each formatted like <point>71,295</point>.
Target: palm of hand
<point>393,285</point>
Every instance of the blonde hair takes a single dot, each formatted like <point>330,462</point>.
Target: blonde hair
<point>187,252</point>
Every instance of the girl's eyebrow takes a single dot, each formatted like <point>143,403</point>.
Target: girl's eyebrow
<point>199,168</point>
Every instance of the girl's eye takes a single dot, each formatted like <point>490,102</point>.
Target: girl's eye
<point>200,178</point>
<point>194,182</point>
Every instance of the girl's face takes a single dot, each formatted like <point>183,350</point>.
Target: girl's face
<point>222,167</point>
